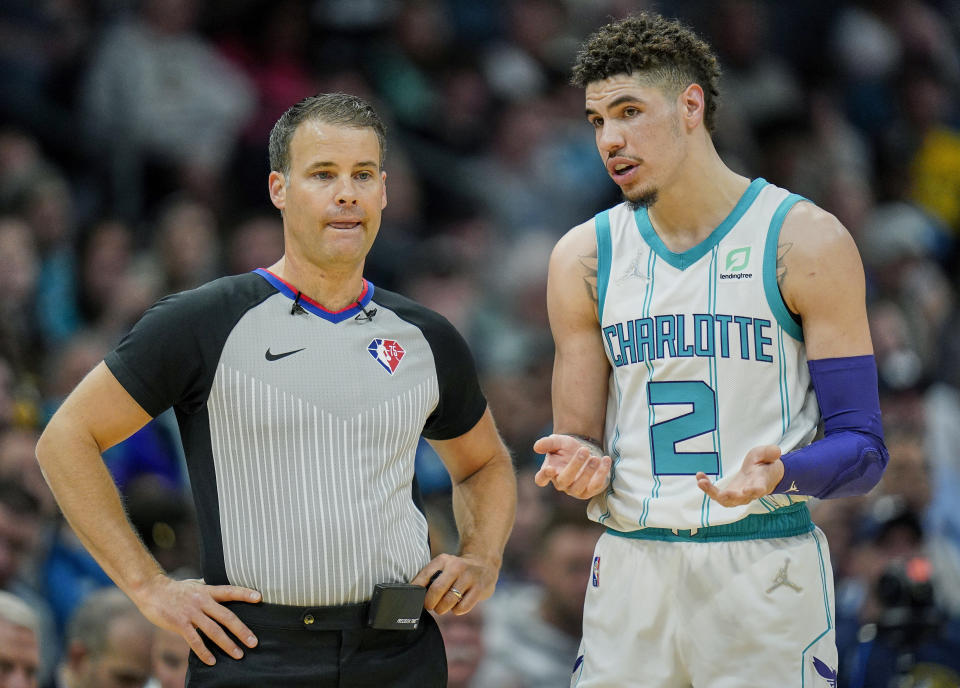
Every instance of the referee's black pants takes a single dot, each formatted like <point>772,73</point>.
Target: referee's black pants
<point>327,647</point>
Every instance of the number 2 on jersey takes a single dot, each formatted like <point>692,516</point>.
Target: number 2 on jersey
<point>665,435</point>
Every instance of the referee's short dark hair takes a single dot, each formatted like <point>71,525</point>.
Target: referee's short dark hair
<point>341,109</point>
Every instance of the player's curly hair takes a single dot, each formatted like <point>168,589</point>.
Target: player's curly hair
<point>666,50</point>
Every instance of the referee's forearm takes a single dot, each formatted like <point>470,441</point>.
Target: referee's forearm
<point>87,496</point>
<point>484,506</point>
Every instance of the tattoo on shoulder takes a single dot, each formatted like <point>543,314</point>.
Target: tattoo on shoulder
<point>782,250</point>
<point>589,264</point>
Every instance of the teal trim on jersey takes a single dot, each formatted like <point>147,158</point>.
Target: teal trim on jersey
<point>682,261</point>
<point>770,287</point>
<point>784,522</point>
<point>645,312</point>
<point>712,367</point>
<point>826,607</point>
<point>615,450</point>
<point>604,261</point>
<point>604,258</point>
<point>782,381</point>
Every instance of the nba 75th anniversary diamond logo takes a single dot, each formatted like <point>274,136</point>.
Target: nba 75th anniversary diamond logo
<point>387,353</point>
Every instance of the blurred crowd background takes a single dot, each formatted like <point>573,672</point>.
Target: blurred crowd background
<point>133,163</point>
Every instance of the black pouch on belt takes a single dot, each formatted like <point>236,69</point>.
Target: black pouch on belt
<point>396,606</point>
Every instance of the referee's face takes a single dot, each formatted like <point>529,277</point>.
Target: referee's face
<point>333,196</point>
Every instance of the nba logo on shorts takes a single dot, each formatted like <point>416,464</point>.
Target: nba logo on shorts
<point>387,353</point>
<point>595,575</point>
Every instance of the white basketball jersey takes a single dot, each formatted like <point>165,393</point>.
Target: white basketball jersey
<point>707,360</point>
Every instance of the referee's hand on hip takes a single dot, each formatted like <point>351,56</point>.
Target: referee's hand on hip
<point>189,607</point>
<point>459,584</point>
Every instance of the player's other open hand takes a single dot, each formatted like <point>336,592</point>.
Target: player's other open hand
<point>571,467</point>
<point>759,474</point>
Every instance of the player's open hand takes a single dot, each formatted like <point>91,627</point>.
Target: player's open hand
<point>460,583</point>
<point>571,467</point>
<point>188,607</point>
<point>759,474</point>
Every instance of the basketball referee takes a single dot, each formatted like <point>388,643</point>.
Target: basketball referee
<point>301,392</point>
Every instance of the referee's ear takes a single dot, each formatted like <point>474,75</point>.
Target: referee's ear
<point>278,189</point>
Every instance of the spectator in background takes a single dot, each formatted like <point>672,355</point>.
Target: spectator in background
<point>19,643</point>
<point>926,143</point>
<point>170,654</point>
<point>518,68</point>
<point>533,510</point>
<point>941,439</point>
<point>19,268</point>
<point>758,86</point>
<point>8,409</point>
<point>163,517</point>
<point>45,202</point>
<point>272,47</point>
<point>185,246</point>
<point>162,105</point>
<point>402,67</point>
<point>108,644</point>
<point>870,41</point>
<point>463,641</point>
<point>111,293</point>
<point>18,464</point>
<point>533,630</point>
<point>41,43</point>
<point>66,365</point>
<point>20,529</point>
<point>899,634</point>
<point>22,170</point>
<point>255,242</point>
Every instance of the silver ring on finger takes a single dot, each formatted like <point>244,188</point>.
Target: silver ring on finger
<point>457,593</point>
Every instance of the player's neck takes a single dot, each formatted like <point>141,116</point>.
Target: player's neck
<point>696,201</point>
<point>333,288</point>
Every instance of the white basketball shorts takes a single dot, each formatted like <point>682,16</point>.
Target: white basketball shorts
<point>714,614</point>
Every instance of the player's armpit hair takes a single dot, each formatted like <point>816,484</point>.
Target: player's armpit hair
<point>851,457</point>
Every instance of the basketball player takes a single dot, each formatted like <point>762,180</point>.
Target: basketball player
<point>697,326</point>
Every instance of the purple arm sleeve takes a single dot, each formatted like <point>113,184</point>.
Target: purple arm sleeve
<point>851,457</point>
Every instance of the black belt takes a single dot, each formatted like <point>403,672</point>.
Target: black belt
<point>342,618</point>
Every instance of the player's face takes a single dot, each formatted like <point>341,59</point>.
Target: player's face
<point>19,657</point>
<point>638,133</point>
<point>333,196</point>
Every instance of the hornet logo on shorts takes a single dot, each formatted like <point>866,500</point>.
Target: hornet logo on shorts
<point>595,575</point>
<point>826,673</point>
<point>387,353</point>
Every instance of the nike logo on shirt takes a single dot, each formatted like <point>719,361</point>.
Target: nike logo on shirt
<point>276,357</point>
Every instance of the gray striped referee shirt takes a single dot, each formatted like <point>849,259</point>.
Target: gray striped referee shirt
<point>300,428</point>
